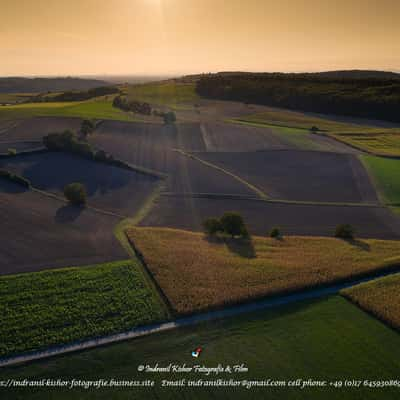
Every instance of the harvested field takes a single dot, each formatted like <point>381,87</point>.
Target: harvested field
<point>20,145</point>
<point>39,232</point>
<point>60,306</point>
<point>196,273</point>
<point>220,136</point>
<point>145,144</point>
<point>151,146</point>
<point>293,219</point>
<point>300,175</point>
<point>380,298</point>
<point>35,128</point>
<point>109,188</point>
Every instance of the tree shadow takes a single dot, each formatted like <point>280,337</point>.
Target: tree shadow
<point>11,187</point>
<point>243,247</point>
<point>53,171</point>
<point>68,213</point>
<point>358,243</point>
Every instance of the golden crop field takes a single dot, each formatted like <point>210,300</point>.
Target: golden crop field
<point>196,274</point>
<point>380,297</point>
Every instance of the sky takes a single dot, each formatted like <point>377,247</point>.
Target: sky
<point>152,37</point>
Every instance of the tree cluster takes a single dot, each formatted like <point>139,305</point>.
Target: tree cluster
<point>132,105</point>
<point>230,223</point>
<point>77,95</point>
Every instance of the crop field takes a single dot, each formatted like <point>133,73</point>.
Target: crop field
<point>92,109</point>
<point>40,232</point>
<point>300,175</point>
<point>169,93</point>
<point>109,188</point>
<point>196,273</point>
<point>379,143</point>
<point>33,129</point>
<point>380,298</point>
<point>59,306</point>
<point>261,217</point>
<point>386,174</point>
<point>271,344</point>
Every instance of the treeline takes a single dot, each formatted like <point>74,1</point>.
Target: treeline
<point>77,95</point>
<point>15,178</point>
<point>356,94</point>
<point>69,142</point>
<point>138,107</point>
<point>132,105</point>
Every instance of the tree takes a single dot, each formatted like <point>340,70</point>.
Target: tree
<point>75,193</point>
<point>275,233</point>
<point>212,226</point>
<point>232,223</point>
<point>169,117</point>
<point>344,231</point>
<point>87,127</point>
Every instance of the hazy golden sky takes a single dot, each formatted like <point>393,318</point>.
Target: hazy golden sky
<point>55,37</point>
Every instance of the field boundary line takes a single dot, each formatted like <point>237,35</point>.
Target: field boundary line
<point>87,207</point>
<point>194,319</point>
<point>259,192</point>
<point>269,200</point>
<point>120,234</point>
<point>241,121</point>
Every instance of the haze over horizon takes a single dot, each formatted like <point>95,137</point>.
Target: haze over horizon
<point>176,37</point>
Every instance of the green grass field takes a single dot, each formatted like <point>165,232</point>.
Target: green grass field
<point>169,93</point>
<point>92,109</point>
<point>62,305</point>
<point>386,174</point>
<point>326,339</point>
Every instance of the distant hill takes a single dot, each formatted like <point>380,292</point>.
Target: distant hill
<point>40,85</point>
